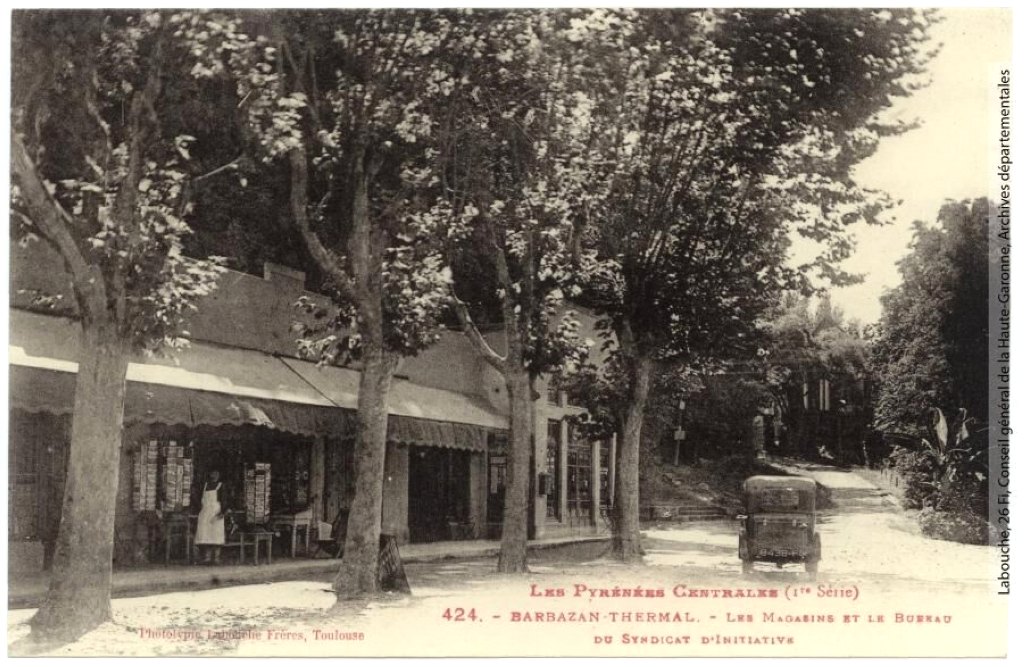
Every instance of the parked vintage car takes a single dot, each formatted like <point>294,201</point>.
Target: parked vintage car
<point>779,525</point>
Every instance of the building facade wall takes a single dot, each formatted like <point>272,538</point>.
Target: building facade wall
<point>257,313</point>
<point>253,313</point>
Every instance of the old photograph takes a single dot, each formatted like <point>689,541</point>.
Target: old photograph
<point>490,332</point>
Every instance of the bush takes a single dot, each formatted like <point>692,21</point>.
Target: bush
<point>955,526</point>
<point>918,471</point>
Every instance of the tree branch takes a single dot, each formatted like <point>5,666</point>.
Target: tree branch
<point>512,319</point>
<point>142,121</point>
<point>471,331</point>
<point>189,189</point>
<point>328,262</point>
<point>213,172</point>
<point>48,216</point>
<point>311,104</point>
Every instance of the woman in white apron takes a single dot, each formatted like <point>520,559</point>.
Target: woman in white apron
<point>210,526</point>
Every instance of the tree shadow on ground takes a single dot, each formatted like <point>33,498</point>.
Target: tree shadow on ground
<point>654,545</point>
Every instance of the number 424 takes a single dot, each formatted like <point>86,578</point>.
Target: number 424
<point>459,614</point>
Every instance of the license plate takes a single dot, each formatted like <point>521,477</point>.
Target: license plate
<point>778,553</point>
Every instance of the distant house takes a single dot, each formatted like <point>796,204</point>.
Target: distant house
<point>825,414</point>
<point>740,411</point>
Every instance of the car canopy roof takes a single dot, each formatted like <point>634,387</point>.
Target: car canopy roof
<point>762,482</point>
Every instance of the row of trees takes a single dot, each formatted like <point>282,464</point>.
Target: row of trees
<point>651,164</point>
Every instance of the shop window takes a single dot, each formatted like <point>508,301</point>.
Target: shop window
<point>497,475</point>
<point>579,469</point>
<point>554,483</point>
<point>605,475</point>
<point>257,493</point>
<point>552,392</point>
<point>558,384</point>
<point>289,485</point>
<point>574,397</point>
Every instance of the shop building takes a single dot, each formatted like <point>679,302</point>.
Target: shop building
<point>278,429</point>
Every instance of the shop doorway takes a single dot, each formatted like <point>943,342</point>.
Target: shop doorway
<point>438,494</point>
<point>37,449</point>
<point>264,473</point>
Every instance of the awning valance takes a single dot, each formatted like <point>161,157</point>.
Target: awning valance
<point>200,384</point>
<point>418,415</point>
<point>52,343</point>
<point>407,399</point>
<point>215,385</point>
<point>36,390</point>
<point>220,409</point>
<point>412,431</point>
<point>41,390</point>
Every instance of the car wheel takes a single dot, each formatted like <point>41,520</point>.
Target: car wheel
<point>811,567</point>
<point>748,566</point>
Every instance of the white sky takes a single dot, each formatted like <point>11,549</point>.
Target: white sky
<point>946,158</point>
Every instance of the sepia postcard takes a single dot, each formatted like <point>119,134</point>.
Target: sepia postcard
<point>673,331</point>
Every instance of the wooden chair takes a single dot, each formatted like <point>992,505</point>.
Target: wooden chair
<point>331,542</point>
<point>177,528</point>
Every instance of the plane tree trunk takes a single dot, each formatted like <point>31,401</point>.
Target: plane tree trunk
<point>78,599</point>
<point>515,522</point>
<point>357,576</point>
<point>626,544</point>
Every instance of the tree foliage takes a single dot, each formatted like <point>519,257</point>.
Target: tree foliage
<point>507,179</point>
<point>357,101</point>
<point>360,89</point>
<point>929,350</point>
<point>104,168</point>
<point>734,131</point>
<point>718,137</point>
<point>801,345</point>
<point>930,356</point>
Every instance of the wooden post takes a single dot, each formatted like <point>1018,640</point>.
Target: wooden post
<point>563,470</point>
<point>316,479</point>
<point>612,456</point>
<point>595,483</point>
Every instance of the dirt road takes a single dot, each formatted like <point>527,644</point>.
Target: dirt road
<point>883,590</point>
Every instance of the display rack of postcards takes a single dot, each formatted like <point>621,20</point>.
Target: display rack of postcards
<point>257,493</point>
<point>176,477</point>
<point>161,476</point>
<point>145,473</point>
